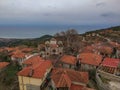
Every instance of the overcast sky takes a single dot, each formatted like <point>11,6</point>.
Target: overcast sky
<point>59,12</point>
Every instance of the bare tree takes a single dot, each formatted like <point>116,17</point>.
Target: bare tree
<point>71,38</point>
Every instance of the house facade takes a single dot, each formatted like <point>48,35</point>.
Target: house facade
<point>34,77</point>
<point>18,57</point>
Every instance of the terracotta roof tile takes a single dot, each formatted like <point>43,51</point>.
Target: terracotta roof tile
<point>18,55</point>
<point>88,49</point>
<point>105,49</point>
<point>3,64</point>
<point>76,87</point>
<point>68,59</point>
<point>111,62</point>
<point>27,49</point>
<point>9,49</point>
<point>64,81</point>
<point>38,70</point>
<point>69,77</point>
<point>33,60</point>
<point>90,58</point>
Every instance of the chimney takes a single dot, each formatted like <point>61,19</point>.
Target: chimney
<point>31,72</point>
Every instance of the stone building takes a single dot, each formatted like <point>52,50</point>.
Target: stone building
<point>52,47</point>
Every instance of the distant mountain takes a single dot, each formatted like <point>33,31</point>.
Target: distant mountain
<point>43,38</point>
<point>6,40</point>
<point>29,42</point>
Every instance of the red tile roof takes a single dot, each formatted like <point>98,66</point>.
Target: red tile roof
<point>98,47</point>
<point>17,54</point>
<point>105,49</point>
<point>64,81</point>
<point>3,64</point>
<point>9,49</point>
<point>37,70</point>
<point>26,49</point>
<point>90,58</point>
<point>65,77</point>
<point>111,62</point>
<point>33,60</point>
<point>76,87</point>
<point>88,49</point>
<point>68,59</point>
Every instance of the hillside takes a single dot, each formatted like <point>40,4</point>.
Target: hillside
<point>29,42</point>
<point>112,33</point>
<point>116,28</point>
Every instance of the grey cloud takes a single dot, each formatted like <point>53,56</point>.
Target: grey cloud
<point>62,11</point>
<point>109,14</point>
<point>52,7</point>
<point>101,4</point>
<point>46,14</point>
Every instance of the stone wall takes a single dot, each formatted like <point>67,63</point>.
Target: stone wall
<point>109,76</point>
<point>100,84</point>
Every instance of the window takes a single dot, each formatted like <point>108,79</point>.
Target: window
<point>54,50</point>
<point>47,53</point>
<point>60,53</point>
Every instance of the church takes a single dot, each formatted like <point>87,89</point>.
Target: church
<point>52,47</point>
